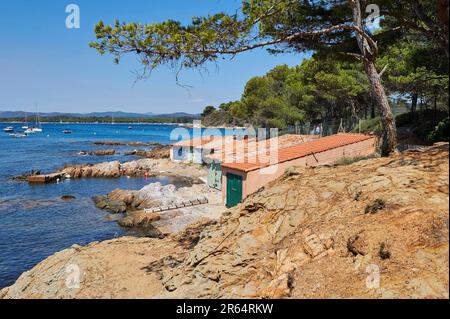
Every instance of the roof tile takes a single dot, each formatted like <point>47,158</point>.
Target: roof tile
<point>298,151</point>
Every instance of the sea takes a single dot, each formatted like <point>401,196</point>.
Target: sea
<point>34,221</point>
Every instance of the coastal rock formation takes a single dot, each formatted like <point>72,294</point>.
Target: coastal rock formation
<point>68,197</point>
<point>107,169</point>
<point>24,177</point>
<point>377,228</point>
<point>158,152</point>
<point>154,195</point>
<point>103,152</point>
<point>142,167</point>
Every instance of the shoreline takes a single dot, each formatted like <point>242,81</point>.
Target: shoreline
<point>103,123</point>
<point>187,125</point>
<point>306,235</point>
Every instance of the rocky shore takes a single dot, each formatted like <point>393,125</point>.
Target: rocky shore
<point>378,228</point>
<point>142,167</point>
<point>157,151</point>
<point>159,224</point>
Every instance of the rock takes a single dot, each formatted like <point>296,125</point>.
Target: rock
<point>103,152</point>
<point>357,244</point>
<point>109,169</point>
<point>100,201</point>
<point>116,207</point>
<point>119,195</point>
<point>25,176</point>
<point>112,206</point>
<point>68,197</point>
<point>139,219</point>
<point>130,153</point>
<point>158,152</point>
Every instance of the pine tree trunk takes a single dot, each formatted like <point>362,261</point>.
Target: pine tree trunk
<point>369,53</point>
<point>389,142</point>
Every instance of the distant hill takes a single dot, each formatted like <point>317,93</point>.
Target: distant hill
<point>116,114</point>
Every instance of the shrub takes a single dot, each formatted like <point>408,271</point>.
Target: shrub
<point>440,132</point>
<point>369,126</point>
<point>375,206</point>
<point>351,160</point>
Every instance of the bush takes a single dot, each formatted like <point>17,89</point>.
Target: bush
<point>369,126</point>
<point>403,119</point>
<point>440,132</point>
<point>351,160</point>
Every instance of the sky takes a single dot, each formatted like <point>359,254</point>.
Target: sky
<point>43,62</point>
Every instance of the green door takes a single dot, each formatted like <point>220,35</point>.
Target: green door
<point>234,189</point>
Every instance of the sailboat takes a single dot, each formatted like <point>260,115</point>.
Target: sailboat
<point>25,127</point>
<point>37,128</point>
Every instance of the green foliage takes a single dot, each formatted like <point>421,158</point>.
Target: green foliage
<point>350,160</point>
<point>429,125</point>
<point>412,67</point>
<point>440,132</point>
<point>208,110</point>
<point>369,126</point>
<point>414,35</point>
<point>313,91</point>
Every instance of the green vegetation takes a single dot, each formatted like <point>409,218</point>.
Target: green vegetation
<point>440,132</point>
<point>315,91</point>
<point>407,56</point>
<point>350,160</point>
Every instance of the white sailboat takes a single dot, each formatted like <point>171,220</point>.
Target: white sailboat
<point>37,128</point>
<point>25,127</point>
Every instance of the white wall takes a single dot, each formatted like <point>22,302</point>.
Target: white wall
<point>180,156</point>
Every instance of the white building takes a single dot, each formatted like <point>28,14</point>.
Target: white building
<point>195,150</point>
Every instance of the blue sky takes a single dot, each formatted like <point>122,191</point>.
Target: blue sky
<point>43,62</point>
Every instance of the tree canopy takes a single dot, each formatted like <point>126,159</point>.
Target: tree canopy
<point>284,26</point>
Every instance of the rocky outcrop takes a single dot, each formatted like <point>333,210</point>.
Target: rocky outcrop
<point>377,228</point>
<point>133,204</point>
<point>142,167</point>
<point>157,152</point>
<point>24,177</point>
<point>103,152</point>
<point>99,270</point>
<point>107,169</point>
<point>98,152</point>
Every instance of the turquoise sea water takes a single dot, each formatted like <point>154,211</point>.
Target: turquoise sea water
<point>34,221</point>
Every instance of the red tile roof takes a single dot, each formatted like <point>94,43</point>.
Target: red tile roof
<point>199,141</point>
<point>300,150</point>
<point>283,141</point>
